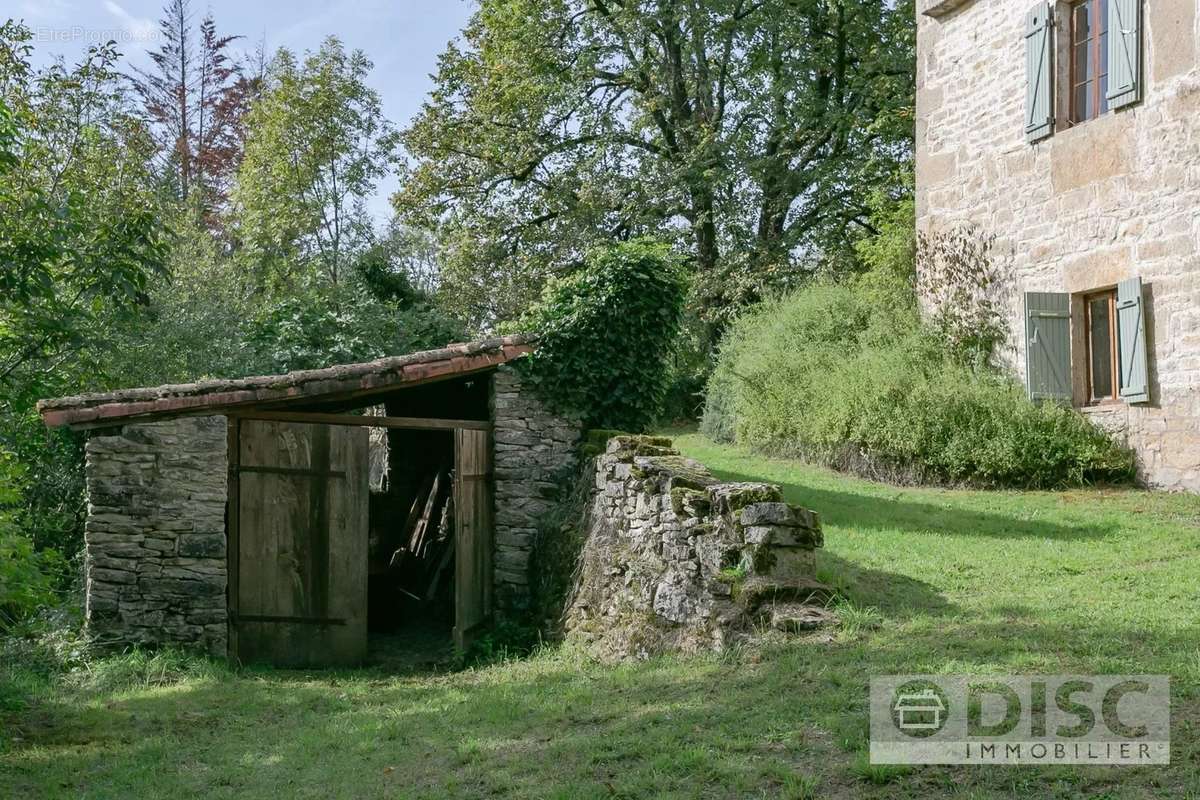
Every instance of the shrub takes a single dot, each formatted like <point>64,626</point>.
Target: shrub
<point>29,578</point>
<point>829,374</point>
<point>606,335</point>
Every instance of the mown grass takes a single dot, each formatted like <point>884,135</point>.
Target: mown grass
<point>936,581</point>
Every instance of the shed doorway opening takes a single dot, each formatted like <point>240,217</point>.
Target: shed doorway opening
<point>411,546</point>
<point>338,530</point>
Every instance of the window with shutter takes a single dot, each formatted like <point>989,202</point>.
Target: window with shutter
<point>1088,48</point>
<point>1124,47</point>
<point>1039,71</point>
<point>1048,346</point>
<point>1131,335</point>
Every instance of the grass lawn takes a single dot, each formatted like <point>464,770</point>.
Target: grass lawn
<point>939,581</point>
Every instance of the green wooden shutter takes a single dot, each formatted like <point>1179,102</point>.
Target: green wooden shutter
<point>1131,335</point>
<point>1039,72</point>
<point>1048,346</point>
<point>1124,52</point>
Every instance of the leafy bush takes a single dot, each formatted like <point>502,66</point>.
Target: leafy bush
<point>849,375</point>
<point>607,334</point>
<point>960,279</point>
<point>29,578</point>
<point>212,320</point>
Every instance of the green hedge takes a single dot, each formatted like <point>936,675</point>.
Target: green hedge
<point>833,375</point>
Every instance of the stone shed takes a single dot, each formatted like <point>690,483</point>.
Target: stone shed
<point>276,519</point>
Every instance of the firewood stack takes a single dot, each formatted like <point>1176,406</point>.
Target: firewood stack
<point>428,550</point>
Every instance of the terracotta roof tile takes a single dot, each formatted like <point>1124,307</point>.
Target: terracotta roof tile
<point>88,410</point>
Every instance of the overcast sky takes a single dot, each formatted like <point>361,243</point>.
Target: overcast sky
<point>402,37</point>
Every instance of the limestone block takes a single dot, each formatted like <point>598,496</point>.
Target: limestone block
<point>210,545</point>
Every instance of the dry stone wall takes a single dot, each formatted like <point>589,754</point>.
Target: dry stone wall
<point>674,559</point>
<point>155,534</point>
<point>1094,204</point>
<point>536,453</point>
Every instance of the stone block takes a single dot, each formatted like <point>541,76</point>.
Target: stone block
<point>785,536</point>
<point>202,545</point>
<point>104,575</point>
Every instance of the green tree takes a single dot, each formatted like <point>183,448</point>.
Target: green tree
<point>752,131</point>
<point>316,145</point>
<point>80,242</point>
<point>80,233</point>
<point>193,322</point>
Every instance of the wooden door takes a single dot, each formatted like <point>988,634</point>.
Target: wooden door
<point>473,534</point>
<point>301,576</point>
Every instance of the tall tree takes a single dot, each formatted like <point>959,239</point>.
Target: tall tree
<point>80,241</point>
<point>193,99</point>
<point>80,234</point>
<point>218,106</point>
<point>752,130</point>
<point>317,143</point>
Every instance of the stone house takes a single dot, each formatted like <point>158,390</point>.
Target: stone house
<point>274,519</point>
<point>1068,133</point>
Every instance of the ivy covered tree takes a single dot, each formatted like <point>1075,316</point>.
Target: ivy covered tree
<point>607,332</point>
<point>751,131</point>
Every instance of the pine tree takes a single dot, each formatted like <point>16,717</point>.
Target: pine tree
<point>194,99</point>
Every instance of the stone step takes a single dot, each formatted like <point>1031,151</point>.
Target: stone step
<point>799,617</point>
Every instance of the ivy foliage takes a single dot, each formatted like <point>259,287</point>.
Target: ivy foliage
<point>606,335</point>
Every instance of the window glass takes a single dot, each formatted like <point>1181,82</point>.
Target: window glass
<point>1089,59</point>
<point>1083,95</point>
<point>1100,346</point>
<point>1102,57</point>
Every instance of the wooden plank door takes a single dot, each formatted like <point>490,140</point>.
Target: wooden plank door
<point>301,586</point>
<point>473,534</point>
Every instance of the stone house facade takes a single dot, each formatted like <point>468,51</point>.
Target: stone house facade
<point>237,516</point>
<point>1068,134</point>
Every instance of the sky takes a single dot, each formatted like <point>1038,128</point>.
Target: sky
<point>402,37</point>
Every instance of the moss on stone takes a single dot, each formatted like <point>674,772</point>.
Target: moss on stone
<point>685,495</point>
<point>595,441</point>
<point>631,446</point>
<point>681,470</point>
<point>763,560</point>
<point>757,590</point>
<point>742,496</point>
<point>732,575</point>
